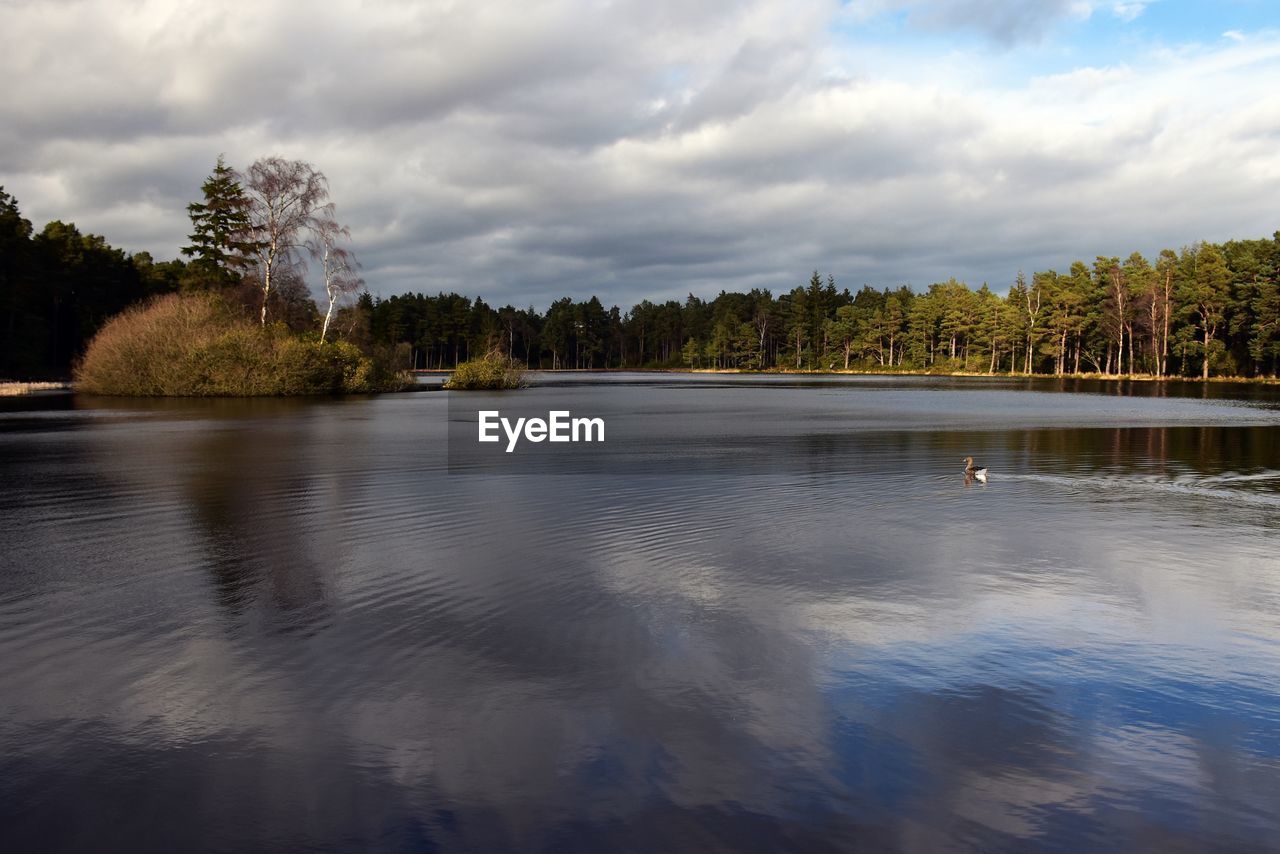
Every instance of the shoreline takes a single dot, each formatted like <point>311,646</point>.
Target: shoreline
<point>1148,378</point>
<point>17,389</point>
<point>982,374</point>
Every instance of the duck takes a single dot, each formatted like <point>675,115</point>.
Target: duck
<point>970,470</point>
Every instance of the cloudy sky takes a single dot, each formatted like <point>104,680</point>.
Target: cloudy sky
<point>649,148</point>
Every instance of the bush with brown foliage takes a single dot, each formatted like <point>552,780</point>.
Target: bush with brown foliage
<point>196,345</point>
<point>493,370</point>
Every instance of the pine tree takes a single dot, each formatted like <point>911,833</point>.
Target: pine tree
<point>16,293</point>
<point>818,304</point>
<point>798,322</point>
<point>219,248</point>
<point>1206,294</point>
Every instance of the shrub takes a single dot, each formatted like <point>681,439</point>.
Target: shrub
<point>195,345</point>
<point>493,370</point>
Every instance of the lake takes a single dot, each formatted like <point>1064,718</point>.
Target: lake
<point>766,614</point>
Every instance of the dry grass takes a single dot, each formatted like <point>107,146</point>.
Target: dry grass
<point>12,389</point>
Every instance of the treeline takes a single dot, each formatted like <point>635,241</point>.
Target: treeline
<point>1206,310</point>
<point>58,286</point>
<point>1209,309</point>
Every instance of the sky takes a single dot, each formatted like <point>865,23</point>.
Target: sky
<point>647,149</point>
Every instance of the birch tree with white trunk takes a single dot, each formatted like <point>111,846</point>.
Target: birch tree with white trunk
<point>1032,297</point>
<point>338,266</point>
<point>285,198</point>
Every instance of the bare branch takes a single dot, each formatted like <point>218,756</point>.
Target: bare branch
<point>285,198</point>
<point>338,264</point>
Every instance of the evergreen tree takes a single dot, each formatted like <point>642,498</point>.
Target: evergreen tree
<point>1263,294</point>
<point>1206,293</point>
<point>991,327</point>
<point>219,248</point>
<point>15,281</point>
<point>817,303</point>
<point>1139,276</point>
<point>798,321</point>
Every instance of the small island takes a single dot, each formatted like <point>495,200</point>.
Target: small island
<point>493,371</point>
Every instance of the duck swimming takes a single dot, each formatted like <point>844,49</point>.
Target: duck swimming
<point>970,470</point>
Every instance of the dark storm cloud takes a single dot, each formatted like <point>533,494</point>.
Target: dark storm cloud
<point>634,149</point>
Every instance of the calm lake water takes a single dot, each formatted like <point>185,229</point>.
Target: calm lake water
<point>768,614</point>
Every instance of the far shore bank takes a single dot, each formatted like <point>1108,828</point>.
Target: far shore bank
<point>984,374</point>
<point>17,389</point>
<point>870,373</point>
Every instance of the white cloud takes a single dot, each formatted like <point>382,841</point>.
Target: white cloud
<point>633,149</point>
<point>1129,11</point>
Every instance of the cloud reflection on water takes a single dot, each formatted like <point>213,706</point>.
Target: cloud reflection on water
<point>295,617</point>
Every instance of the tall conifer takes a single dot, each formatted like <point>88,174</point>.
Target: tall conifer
<point>219,247</point>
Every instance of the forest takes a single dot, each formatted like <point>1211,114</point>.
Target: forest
<point>1207,310</point>
<point>1204,310</point>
